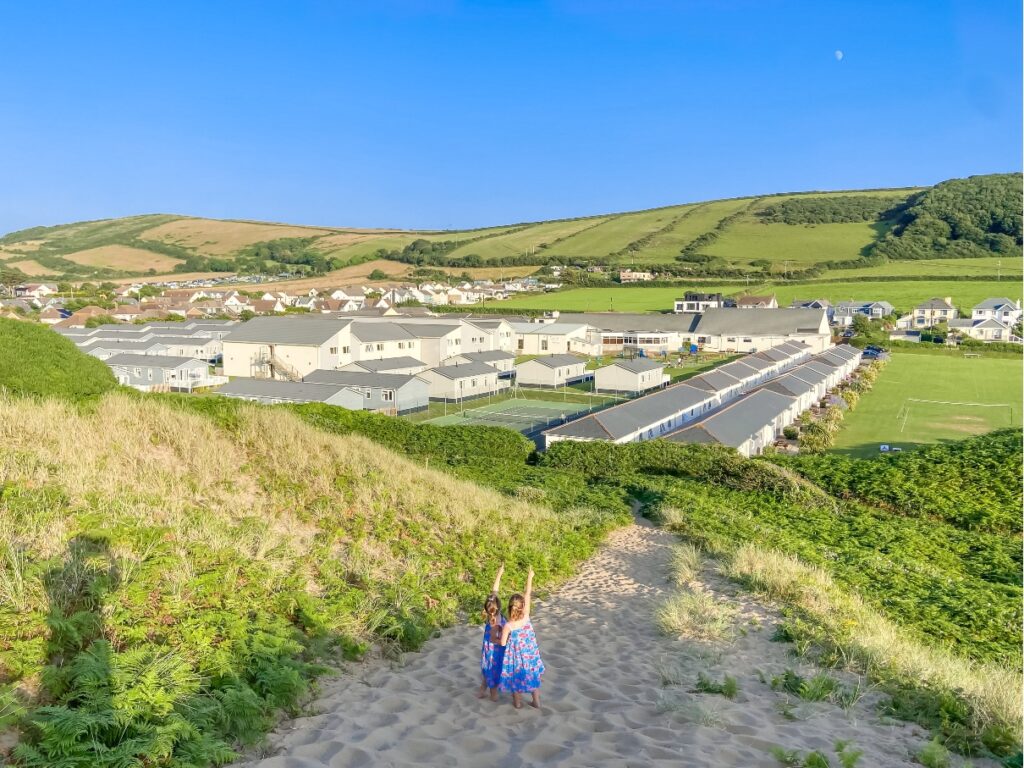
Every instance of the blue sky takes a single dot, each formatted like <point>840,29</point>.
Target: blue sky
<point>455,114</point>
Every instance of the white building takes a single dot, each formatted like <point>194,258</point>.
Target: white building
<point>630,376</point>
<point>462,381</point>
<point>552,371</point>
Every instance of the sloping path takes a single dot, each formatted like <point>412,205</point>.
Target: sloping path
<point>603,699</point>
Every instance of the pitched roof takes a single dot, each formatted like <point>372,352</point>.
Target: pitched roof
<point>380,332</point>
<point>634,415</point>
<point>487,357</point>
<point>996,304</point>
<point>462,370</point>
<point>556,361</point>
<point>760,322</point>
<point>280,390</point>
<point>154,361</point>
<point>553,329</point>
<point>389,364</point>
<point>636,365</point>
<point>299,330</point>
<point>734,424</point>
<point>935,304</point>
<point>713,381</point>
<point>754,300</point>
<point>123,345</point>
<point>358,379</point>
<point>626,321</point>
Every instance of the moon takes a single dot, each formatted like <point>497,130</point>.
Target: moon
<point>839,55</point>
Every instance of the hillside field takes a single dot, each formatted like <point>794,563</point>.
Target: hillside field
<point>890,414</point>
<point>903,294</point>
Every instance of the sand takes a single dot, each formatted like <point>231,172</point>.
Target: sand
<point>603,698</point>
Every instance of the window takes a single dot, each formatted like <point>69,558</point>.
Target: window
<point>401,345</point>
<point>544,345</point>
<point>150,372</point>
<point>462,384</point>
<point>369,347</point>
<point>344,350</point>
<point>138,372</point>
<point>388,395</point>
<point>380,347</point>
<point>334,350</point>
<point>368,393</point>
<point>472,382</point>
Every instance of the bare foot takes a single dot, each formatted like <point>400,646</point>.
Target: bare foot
<point>535,701</point>
<point>494,694</point>
<point>481,692</point>
<point>517,701</point>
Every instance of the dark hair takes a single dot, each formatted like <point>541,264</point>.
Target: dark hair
<point>516,607</point>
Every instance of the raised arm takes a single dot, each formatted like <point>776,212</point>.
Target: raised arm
<point>497,579</point>
<point>529,593</point>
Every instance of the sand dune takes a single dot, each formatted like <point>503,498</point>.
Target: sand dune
<point>604,702</point>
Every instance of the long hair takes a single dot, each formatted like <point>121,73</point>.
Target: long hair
<point>492,609</point>
<point>516,607</point>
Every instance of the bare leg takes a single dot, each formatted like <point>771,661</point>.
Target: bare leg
<point>517,701</point>
<point>535,701</point>
<point>494,694</point>
<point>482,691</point>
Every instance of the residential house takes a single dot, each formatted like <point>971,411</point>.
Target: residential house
<point>462,381</point>
<point>35,290</point>
<point>406,365</point>
<point>845,311</point>
<point>757,302</point>
<point>693,302</point>
<point>552,371</point>
<point>748,425</point>
<point>390,393</point>
<point>287,347</point>
<point>1005,311</point>
<point>556,338</point>
<point>267,306</point>
<point>156,373</point>
<point>271,392</point>
<point>631,276</point>
<point>753,330</point>
<point>984,330</point>
<point>934,311</point>
<point>630,377</point>
<point>503,361</point>
<point>52,315</point>
<point>377,340</point>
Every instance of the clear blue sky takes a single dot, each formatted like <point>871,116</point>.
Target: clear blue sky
<point>455,114</point>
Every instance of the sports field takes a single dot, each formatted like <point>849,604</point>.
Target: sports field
<point>923,398</point>
<point>526,416</point>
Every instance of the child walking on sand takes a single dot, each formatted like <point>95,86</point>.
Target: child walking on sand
<point>492,652</point>
<point>522,666</point>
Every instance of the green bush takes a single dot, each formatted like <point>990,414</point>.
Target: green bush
<point>38,361</point>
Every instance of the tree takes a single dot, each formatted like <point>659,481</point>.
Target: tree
<point>379,274</point>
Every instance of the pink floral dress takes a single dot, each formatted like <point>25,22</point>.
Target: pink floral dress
<point>522,666</point>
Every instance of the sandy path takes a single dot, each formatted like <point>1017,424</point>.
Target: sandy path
<point>603,698</point>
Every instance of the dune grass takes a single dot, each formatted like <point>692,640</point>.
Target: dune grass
<point>170,578</point>
<point>697,616</point>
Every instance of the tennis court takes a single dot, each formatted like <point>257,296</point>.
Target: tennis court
<point>520,414</point>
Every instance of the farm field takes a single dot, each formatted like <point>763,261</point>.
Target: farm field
<point>123,257</point>
<point>989,266</point>
<point>218,238</point>
<point>903,294</point>
<point>799,244</point>
<point>698,220</point>
<point>616,233</point>
<point>519,241</point>
<point>891,412</point>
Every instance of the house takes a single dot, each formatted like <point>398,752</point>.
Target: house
<point>629,276</point>
<point>753,330</point>
<point>286,347</point>
<point>35,290</point>
<point>630,377</point>
<point>162,373</point>
<point>462,381</point>
<point>552,371</point>
<point>106,349</point>
<point>390,393</point>
<point>496,358</point>
<point>52,315</point>
<point>271,392</point>
<point>748,425</point>
<point>556,338</point>
<point>984,330</point>
<point>376,340</point>
<point>873,310</point>
<point>934,311</point>
<point>406,365</point>
<point>199,347</point>
<point>267,306</point>
<point>757,302</point>
<point>698,302</point>
<point>1005,311</point>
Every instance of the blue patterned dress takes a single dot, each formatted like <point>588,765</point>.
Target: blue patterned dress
<point>522,666</point>
<point>491,654</point>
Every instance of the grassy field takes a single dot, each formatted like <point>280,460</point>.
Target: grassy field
<point>518,242</point>
<point>890,413</point>
<point>903,294</point>
<point>1008,268</point>
<point>748,240</point>
<point>615,233</point>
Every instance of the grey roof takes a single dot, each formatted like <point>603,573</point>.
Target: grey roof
<point>852,304</point>
<point>806,303</point>
<point>487,357</point>
<point>637,365</point>
<point>734,424</point>
<point>757,362</point>
<point>186,340</point>
<point>554,329</point>
<point>431,330</point>
<point>995,304</point>
<point>556,361</point>
<point>124,346</point>
<point>121,328</point>
<point>847,351</point>
<point>302,330</point>
<point>358,379</point>
<point>280,390</point>
<point>625,321</point>
<point>380,332</point>
<point>935,304</point>
<point>153,361</point>
<point>389,364</point>
<point>629,417</point>
<point>713,381</point>
<point>462,370</point>
<point>760,322</point>
<point>788,384</point>
<point>811,374</point>
<point>738,370</point>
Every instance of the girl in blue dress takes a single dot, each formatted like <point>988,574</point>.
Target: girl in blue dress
<point>521,667</point>
<point>492,651</point>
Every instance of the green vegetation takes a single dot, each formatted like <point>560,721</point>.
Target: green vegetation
<point>728,687</point>
<point>827,210</point>
<point>961,218</point>
<point>37,361</point>
<point>891,412</point>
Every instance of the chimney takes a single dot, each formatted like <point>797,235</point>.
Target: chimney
<point>948,300</point>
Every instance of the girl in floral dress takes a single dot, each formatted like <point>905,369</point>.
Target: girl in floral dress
<point>522,666</point>
<point>492,651</point>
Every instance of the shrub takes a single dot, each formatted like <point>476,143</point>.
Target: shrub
<point>38,361</point>
<point>790,432</point>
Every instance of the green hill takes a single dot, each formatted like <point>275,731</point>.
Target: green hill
<point>37,361</point>
<point>784,235</point>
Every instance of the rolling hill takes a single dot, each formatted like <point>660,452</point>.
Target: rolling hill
<point>778,236</point>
